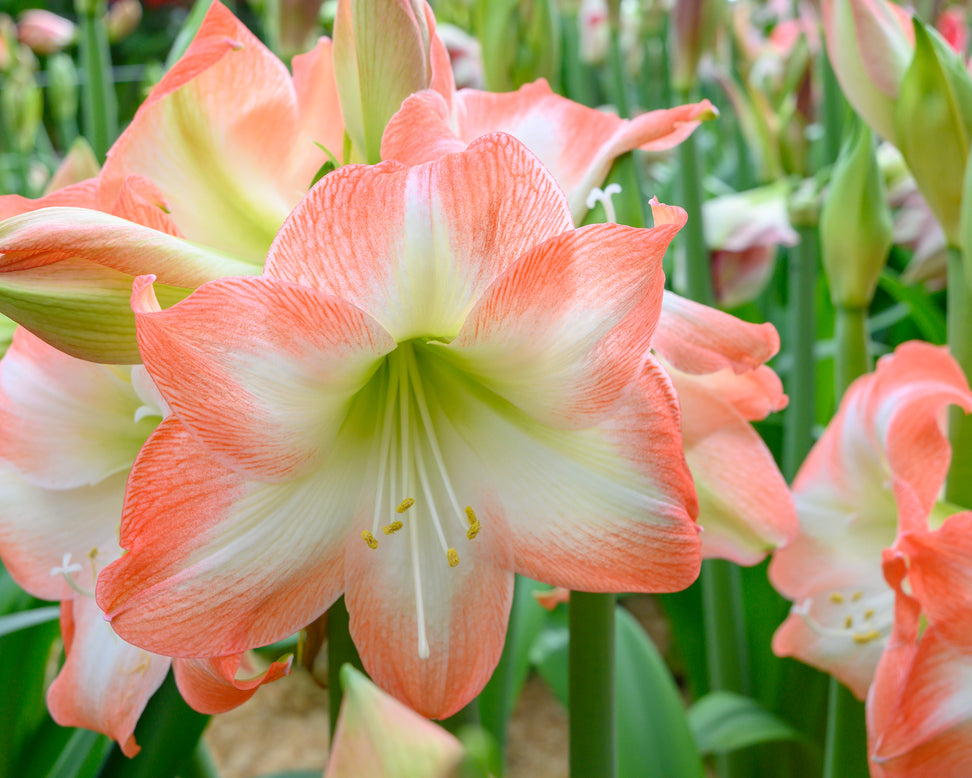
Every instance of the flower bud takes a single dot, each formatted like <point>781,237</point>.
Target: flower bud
<point>123,17</point>
<point>45,32</point>
<point>62,87</point>
<point>855,223</point>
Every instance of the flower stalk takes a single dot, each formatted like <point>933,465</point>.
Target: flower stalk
<point>958,484</point>
<point>340,651</point>
<point>98,93</point>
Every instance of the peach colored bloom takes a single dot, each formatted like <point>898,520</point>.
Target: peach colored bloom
<point>438,382</point>
<point>883,455</point>
<point>45,32</point>
<point>71,432</point>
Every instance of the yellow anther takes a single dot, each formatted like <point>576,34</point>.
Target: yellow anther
<point>453,556</point>
<point>405,504</point>
<point>856,596</point>
<point>473,530</point>
<point>867,637</point>
<point>393,527</point>
<point>868,613</point>
<point>369,539</point>
<point>471,515</point>
<point>848,622</point>
<point>836,597</point>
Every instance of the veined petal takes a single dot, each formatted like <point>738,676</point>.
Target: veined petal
<point>79,307</point>
<point>52,234</point>
<point>267,390</point>
<point>317,98</point>
<point>66,422</point>
<point>202,539</point>
<point>218,136</point>
<point>416,247</point>
<point>79,195</point>
<point>213,685</point>
<point>608,508</point>
<point>105,682</point>
<point>44,530</point>
<point>379,731</point>
<point>564,332</point>
<point>576,143</point>
<point>698,339</point>
<point>745,507</point>
<point>140,201</point>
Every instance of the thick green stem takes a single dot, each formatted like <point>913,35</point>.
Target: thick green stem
<point>200,764</point>
<point>802,281</point>
<point>98,101</point>
<point>591,674</point>
<point>834,108</point>
<point>698,274</point>
<point>340,650</point>
<point>845,752</point>
<point>958,485</point>
<point>852,358</point>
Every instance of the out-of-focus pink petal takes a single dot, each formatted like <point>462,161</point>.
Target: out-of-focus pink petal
<point>105,683</point>
<point>268,391</point>
<point>203,540</point>
<point>79,195</point>
<point>698,339</point>
<point>317,99</point>
<point>214,685</point>
<point>564,332</point>
<point>416,247</point>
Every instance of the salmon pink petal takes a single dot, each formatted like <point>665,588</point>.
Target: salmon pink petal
<point>214,686</point>
<point>429,633</point>
<point>745,507</point>
<point>140,201</point>
<point>44,530</point>
<point>52,234</point>
<point>416,247</point>
<point>588,509</point>
<point>220,137</point>
<point>79,195</point>
<point>698,339</point>
<point>105,682</point>
<point>376,729</point>
<point>201,540</point>
<point>317,98</point>
<point>268,391</point>
<point>576,143</point>
<point>564,332</point>
<point>67,423</point>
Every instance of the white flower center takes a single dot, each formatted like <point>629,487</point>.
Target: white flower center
<point>854,615</point>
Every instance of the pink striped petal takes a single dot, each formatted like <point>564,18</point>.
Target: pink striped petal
<point>67,423</point>
<point>745,507</point>
<point>202,540</point>
<point>268,389</point>
<point>576,143</point>
<point>79,195</point>
<point>698,339</point>
<point>416,247</point>
<point>105,683</point>
<point>214,685</point>
<point>564,332</point>
<point>220,136</point>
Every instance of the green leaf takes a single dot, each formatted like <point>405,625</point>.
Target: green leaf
<point>18,621</point>
<point>83,755</point>
<point>725,721</point>
<point>928,317</point>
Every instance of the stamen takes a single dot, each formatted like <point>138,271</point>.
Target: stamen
<point>474,525</point>
<point>423,640</point>
<point>856,596</point>
<point>385,450</point>
<point>848,622</point>
<point>868,613</point>
<point>836,597</point>
<point>603,196</point>
<point>370,539</point>
<point>68,569</point>
<point>453,556</point>
<point>405,504</point>
<point>393,527</point>
<point>867,637</point>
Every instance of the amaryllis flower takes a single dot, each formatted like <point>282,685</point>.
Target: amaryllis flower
<point>919,710</point>
<point>577,144</point>
<point>716,363</point>
<point>71,430</point>
<point>883,453</point>
<point>438,382</point>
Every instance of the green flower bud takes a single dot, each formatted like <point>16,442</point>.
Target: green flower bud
<point>62,79</point>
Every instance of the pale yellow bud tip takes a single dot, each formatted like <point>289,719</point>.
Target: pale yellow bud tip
<point>453,556</point>
<point>369,539</point>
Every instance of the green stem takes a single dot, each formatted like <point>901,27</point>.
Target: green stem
<point>852,358</point>
<point>466,717</point>
<point>958,485</point>
<point>200,764</point>
<point>834,108</point>
<point>845,752</point>
<point>591,685</point>
<point>802,282</point>
<point>340,650</point>
<point>698,275</point>
<point>98,101</point>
